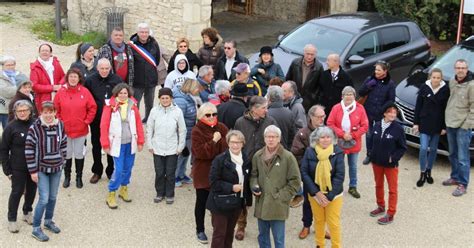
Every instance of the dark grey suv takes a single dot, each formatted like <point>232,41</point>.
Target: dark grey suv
<point>360,39</point>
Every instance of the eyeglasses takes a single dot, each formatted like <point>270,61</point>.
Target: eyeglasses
<point>21,111</point>
<point>272,136</point>
<point>235,142</point>
<point>460,68</point>
<point>209,115</point>
<point>320,116</point>
<point>227,48</point>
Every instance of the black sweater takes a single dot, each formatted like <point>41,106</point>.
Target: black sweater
<point>101,89</point>
<point>12,148</point>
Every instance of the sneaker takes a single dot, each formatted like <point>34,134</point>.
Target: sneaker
<point>39,235</point>
<point>202,238</point>
<point>177,182</point>
<point>366,160</point>
<point>51,226</point>
<point>13,227</point>
<point>353,192</point>
<point>304,233</point>
<point>378,211</point>
<point>449,182</point>
<point>387,219</point>
<point>158,199</point>
<point>460,190</point>
<point>169,200</point>
<point>187,180</point>
<point>28,218</point>
<point>297,201</point>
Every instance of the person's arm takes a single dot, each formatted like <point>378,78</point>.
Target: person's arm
<point>297,147</point>
<point>215,177</point>
<point>364,124</point>
<point>181,131</point>
<point>8,90</point>
<point>37,87</point>
<point>338,178</point>
<point>57,105</point>
<point>91,108</point>
<point>293,179</point>
<point>309,185</point>
<point>400,148</point>
<point>5,151</point>
<point>63,145</point>
<point>254,174</point>
<point>366,87</point>
<point>150,128</point>
<point>104,127</point>
<point>418,106</point>
<point>332,123</point>
<point>279,73</point>
<point>289,73</point>
<point>204,147</point>
<point>139,124</point>
<point>31,150</point>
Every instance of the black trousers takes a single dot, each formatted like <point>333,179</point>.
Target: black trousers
<point>21,183</point>
<point>224,225</point>
<point>97,167</point>
<point>165,169</point>
<point>149,93</point>
<point>200,208</point>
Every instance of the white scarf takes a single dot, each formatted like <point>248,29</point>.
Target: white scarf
<point>238,161</point>
<point>48,66</point>
<point>346,121</point>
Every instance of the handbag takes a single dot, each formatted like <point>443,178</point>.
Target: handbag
<point>227,202</point>
<point>346,144</point>
<point>362,100</point>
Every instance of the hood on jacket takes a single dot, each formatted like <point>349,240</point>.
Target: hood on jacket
<point>177,59</point>
<point>441,84</point>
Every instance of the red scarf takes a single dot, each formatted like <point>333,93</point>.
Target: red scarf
<point>211,124</point>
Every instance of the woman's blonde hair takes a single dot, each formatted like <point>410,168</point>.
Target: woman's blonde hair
<point>189,86</point>
<point>206,108</point>
<point>181,40</point>
<point>240,136</point>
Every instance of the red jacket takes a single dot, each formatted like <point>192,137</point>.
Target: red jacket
<point>359,124</point>
<point>42,86</point>
<point>76,108</point>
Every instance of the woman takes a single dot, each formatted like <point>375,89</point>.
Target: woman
<point>85,59</point>
<point>229,175</point>
<point>212,48</point>
<point>12,156</point>
<point>121,136</point>
<point>9,79</point>
<point>182,45</point>
<point>429,121</point>
<point>23,93</point>
<point>222,94</point>
<point>76,108</point>
<point>184,99</point>
<point>378,89</point>
<point>46,74</point>
<point>180,74</point>
<point>165,138</point>
<point>207,143</point>
<point>349,121</point>
<point>45,153</point>
<point>322,171</point>
<point>266,69</point>
<point>389,145</point>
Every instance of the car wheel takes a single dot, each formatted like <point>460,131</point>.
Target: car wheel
<point>418,67</point>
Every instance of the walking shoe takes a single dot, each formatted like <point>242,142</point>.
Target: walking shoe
<point>460,190</point>
<point>111,202</point>
<point>187,180</point>
<point>67,182</point>
<point>304,233</point>
<point>327,235</point>
<point>169,200</point>
<point>94,179</point>
<point>378,211</point>
<point>39,234</point>
<point>387,219</point>
<point>202,238</point>
<point>28,218</point>
<point>13,227</point>
<point>240,233</point>
<point>51,226</point>
<point>79,183</point>
<point>177,182</point>
<point>353,192</point>
<point>297,201</point>
<point>449,182</point>
<point>429,179</point>
<point>123,193</point>
<point>422,180</point>
<point>366,160</point>
<point>158,199</point>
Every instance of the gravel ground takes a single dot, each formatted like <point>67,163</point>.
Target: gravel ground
<point>427,216</point>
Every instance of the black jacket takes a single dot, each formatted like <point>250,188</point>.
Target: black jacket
<point>230,111</point>
<point>388,149</point>
<point>222,178</point>
<point>85,73</point>
<point>220,72</point>
<point>330,91</point>
<point>101,89</point>
<point>12,148</point>
<point>309,89</point>
<point>285,121</point>
<point>193,60</point>
<point>146,75</point>
<point>430,109</point>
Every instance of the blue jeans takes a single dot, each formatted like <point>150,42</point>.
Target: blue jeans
<point>4,120</point>
<point>278,232</point>
<point>428,143</point>
<point>123,167</point>
<point>183,161</point>
<point>368,138</point>
<point>459,157</point>
<point>352,162</point>
<point>48,185</point>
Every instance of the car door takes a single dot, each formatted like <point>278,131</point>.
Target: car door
<point>396,50</point>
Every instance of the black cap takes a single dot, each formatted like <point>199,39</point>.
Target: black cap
<point>265,49</point>
<point>239,89</point>
<point>389,105</point>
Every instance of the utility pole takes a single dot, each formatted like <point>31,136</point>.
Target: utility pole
<point>58,19</point>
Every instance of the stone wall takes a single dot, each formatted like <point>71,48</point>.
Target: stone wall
<point>168,19</point>
<point>338,6</point>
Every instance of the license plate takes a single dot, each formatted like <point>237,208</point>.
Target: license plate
<point>409,130</point>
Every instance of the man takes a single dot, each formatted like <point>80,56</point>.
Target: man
<point>100,84</point>
<point>230,111</point>
<point>231,59</point>
<point>207,82</point>
<point>252,124</point>
<point>305,72</point>
<point>282,115</point>
<point>316,116</point>
<point>459,123</point>
<point>119,54</point>
<point>274,180</point>
<point>294,103</point>
<point>242,76</point>
<point>146,55</point>
<point>331,83</point>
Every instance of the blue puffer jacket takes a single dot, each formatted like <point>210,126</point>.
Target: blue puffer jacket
<point>380,92</point>
<point>187,104</point>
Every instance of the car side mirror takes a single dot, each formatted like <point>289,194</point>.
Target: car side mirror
<point>355,59</point>
<point>280,37</point>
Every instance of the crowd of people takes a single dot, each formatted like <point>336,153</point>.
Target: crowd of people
<point>255,136</point>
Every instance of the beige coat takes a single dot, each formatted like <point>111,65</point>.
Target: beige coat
<point>460,109</point>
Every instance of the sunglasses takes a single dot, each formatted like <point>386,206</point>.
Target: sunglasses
<point>209,115</point>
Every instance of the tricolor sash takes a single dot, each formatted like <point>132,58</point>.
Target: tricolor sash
<point>144,53</point>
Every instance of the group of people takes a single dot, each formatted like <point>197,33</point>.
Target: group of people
<point>285,149</point>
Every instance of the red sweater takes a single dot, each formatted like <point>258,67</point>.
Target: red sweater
<point>41,83</point>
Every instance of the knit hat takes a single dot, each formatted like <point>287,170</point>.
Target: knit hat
<point>239,89</point>
<point>389,105</point>
<point>265,49</point>
<point>242,67</point>
<point>85,47</point>
<point>165,92</point>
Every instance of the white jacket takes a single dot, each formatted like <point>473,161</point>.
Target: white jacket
<point>166,130</point>
<point>176,77</point>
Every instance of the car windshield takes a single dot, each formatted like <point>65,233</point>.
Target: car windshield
<point>327,40</point>
<point>446,63</point>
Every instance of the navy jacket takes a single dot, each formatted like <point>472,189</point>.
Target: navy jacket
<point>308,170</point>
<point>230,111</point>
<point>380,92</point>
<point>430,109</point>
<point>388,148</point>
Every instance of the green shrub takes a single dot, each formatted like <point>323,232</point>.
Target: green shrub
<point>6,18</point>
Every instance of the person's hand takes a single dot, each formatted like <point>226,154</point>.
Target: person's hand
<point>217,137</point>
<point>257,194</point>
<point>106,150</point>
<point>151,151</point>
<point>322,199</point>
<point>56,87</point>
<point>237,188</point>
<point>261,71</point>
<point>9,177</point>
<point>140,148</point>
<point>347,136</point>
<point>178,152</point>
<point>34,177</point>
<point>415,128</point>
<point>443,131</point>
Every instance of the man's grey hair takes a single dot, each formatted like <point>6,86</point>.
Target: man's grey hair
<point>275,93</point>
<point>144,25</point>
<point>321,132</point>
<point>204,70</point>
<point>310,46</point>
<point>293,86</point>
<point>257,101</point>
<point>314,108</point>
<point>221,86</point>
<point>461,61</point>
<point>103,61</point>
<point>272,129</point>
<point>334,56</point>
<point>348,89</point>
<point>7,58</point>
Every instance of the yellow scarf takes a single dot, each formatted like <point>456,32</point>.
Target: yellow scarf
<point>322,176</point>
<point>123,109</point>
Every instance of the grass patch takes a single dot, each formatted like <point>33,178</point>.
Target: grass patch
<point>6,18</point>
<point>45,30</point>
